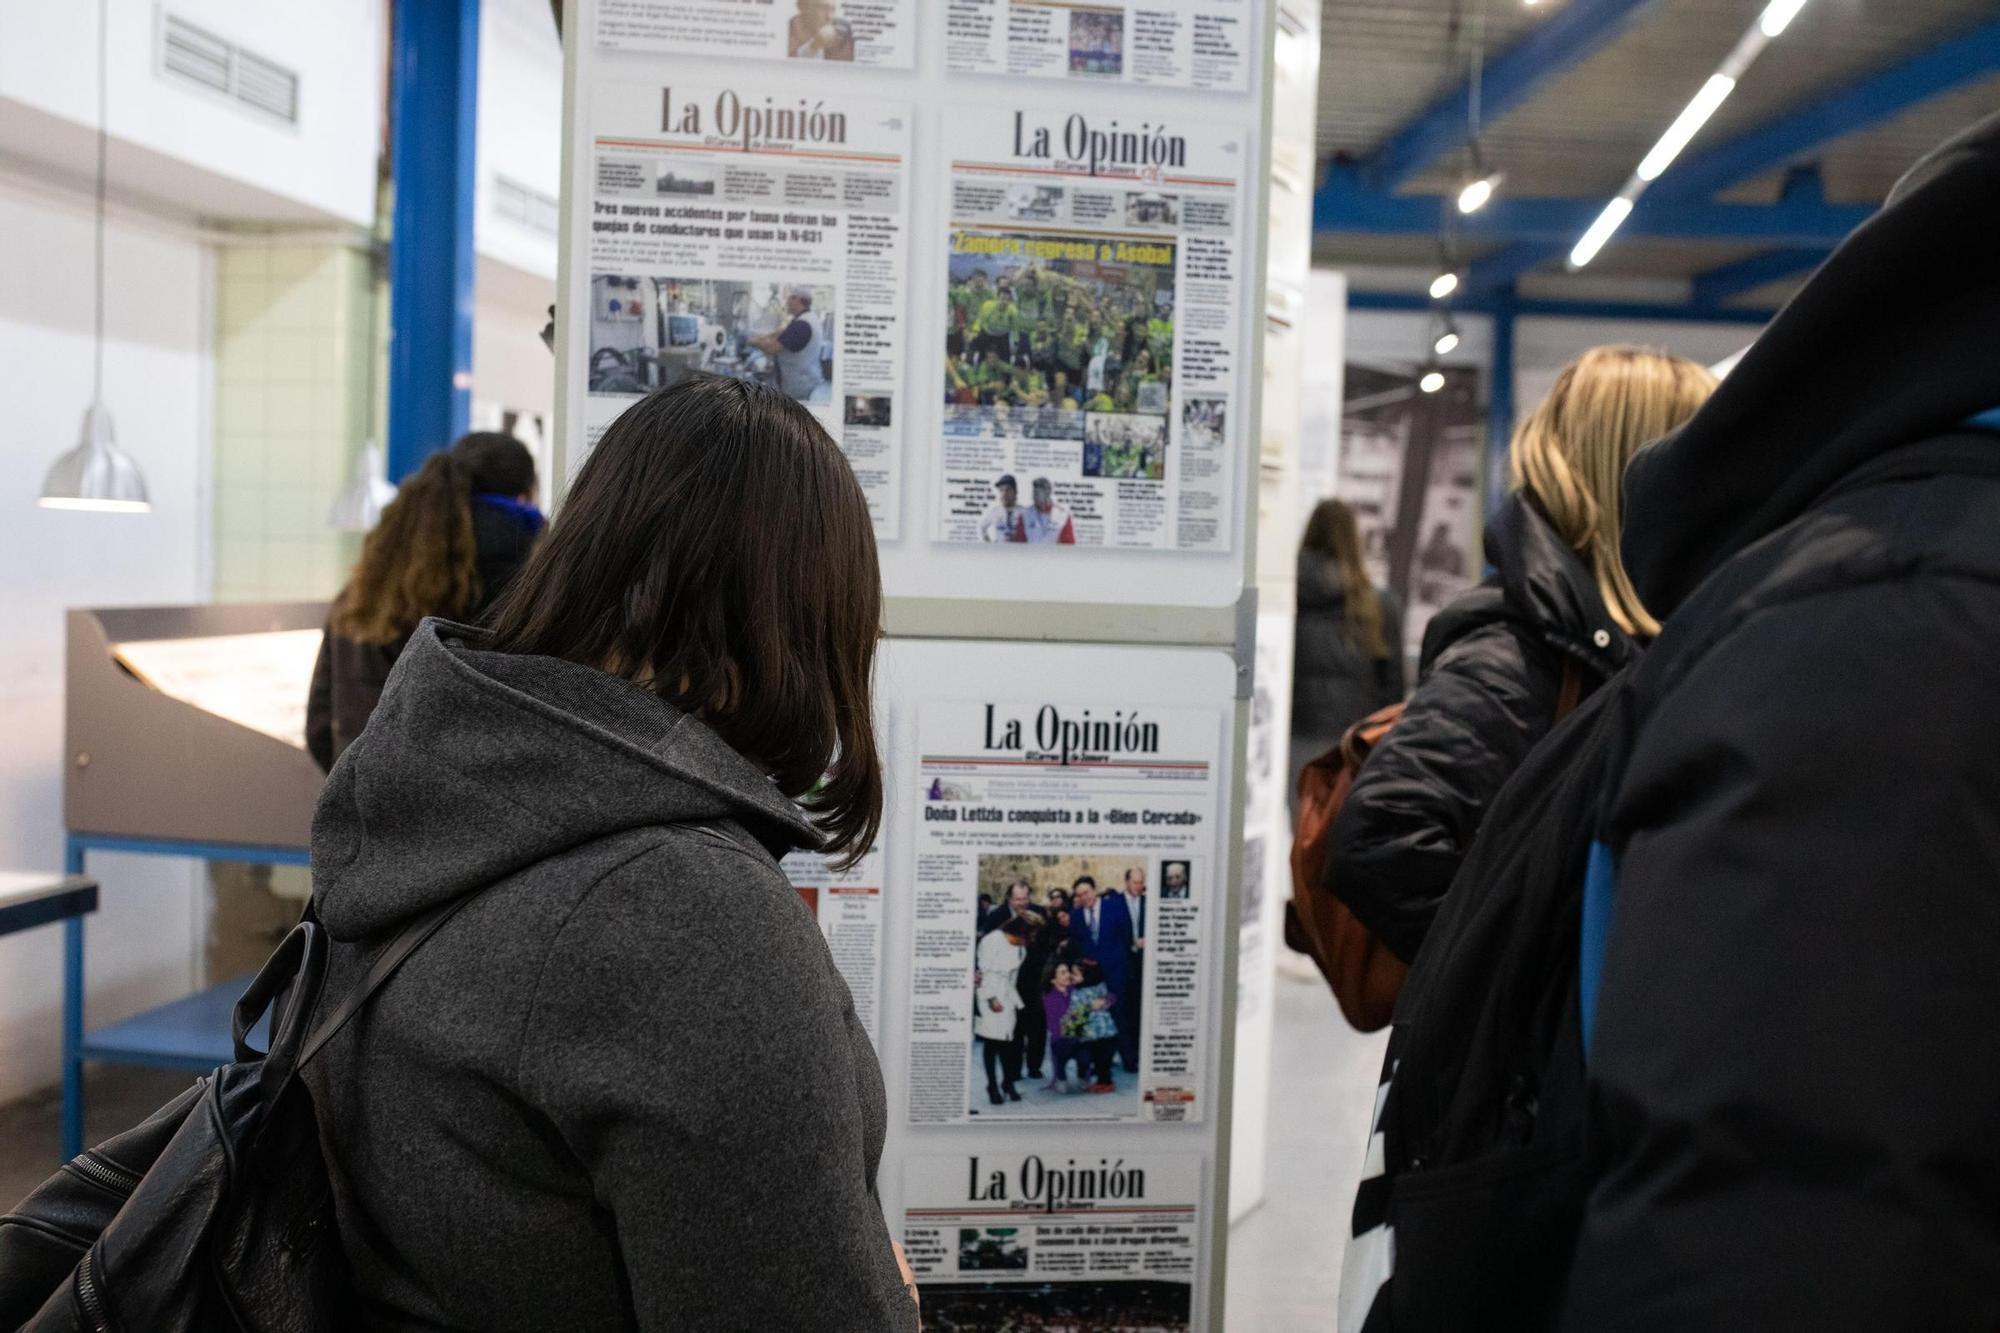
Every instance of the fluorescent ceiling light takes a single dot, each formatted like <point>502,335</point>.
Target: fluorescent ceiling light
<point>1778,16</point>
<point>1610,220</point>
<point>1443,285</point>
<point>1686,125</point>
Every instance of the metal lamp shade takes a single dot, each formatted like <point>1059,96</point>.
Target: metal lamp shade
<point>97,474</point>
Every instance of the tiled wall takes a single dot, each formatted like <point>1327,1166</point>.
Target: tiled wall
<point>292,410</point>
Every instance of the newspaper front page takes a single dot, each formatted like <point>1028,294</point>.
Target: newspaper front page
<point>1170,43</point>
<point>1055,1242</point>
<point>1064,889</point>
<point>853,32</point>
<point>753,233</point>
<point>1095,275</point>
<point>848,906</point>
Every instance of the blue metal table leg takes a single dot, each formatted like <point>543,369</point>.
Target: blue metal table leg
<point>72,1020</point>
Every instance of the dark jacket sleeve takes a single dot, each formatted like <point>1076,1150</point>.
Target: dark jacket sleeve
<point>705,1067</point>
<point>1795,1087</point>
<point>1412,812</point>
<point>319,707</point>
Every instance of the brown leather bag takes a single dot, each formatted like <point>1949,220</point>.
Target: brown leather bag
<point>1365,977</point>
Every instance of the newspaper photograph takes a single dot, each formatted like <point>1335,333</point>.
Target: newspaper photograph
<point>1063,894</point>
<point>1165,43</point>
<point>1093,278</point>
<point>853,32</point>
<point>1054,1242</point>
<point>848,906</point>
<point>759,236</point>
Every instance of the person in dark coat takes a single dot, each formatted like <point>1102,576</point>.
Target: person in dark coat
<point>447,546</point>
<point>1101,929</point>
<point>1796,1090</point>
<point>1557,607</point>
<point>624,1087</point>
<point>1347,652</point>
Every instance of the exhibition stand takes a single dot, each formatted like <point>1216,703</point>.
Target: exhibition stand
<point>1013,257</point>
<point>184,729</point>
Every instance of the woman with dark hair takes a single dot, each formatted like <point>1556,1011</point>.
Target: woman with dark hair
<point>1347,658</point>
<point>446,546</point>
<point>624,1087</point>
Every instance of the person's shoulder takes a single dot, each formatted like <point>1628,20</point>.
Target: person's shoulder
<point>689,884</point>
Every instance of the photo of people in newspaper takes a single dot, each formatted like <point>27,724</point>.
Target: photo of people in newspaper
<point>1044,343</point>
<point>650,333</point>
<point>1060,982</point>
<point>818,32</point>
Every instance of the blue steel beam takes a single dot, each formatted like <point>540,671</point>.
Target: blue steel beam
<point>1869,100</point>
<point>1559,309</point>
<point>1729,281</point>
<point>1344,204</point>
<point>435,65</point>
<point>1509,79</point>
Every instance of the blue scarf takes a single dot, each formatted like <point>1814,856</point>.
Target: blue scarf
<point>520,511</point>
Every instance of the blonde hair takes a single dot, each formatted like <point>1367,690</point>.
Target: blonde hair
<point>1572,452</point>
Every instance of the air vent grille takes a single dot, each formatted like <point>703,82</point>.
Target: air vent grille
<point>200,57</point>
<point>526,205</point>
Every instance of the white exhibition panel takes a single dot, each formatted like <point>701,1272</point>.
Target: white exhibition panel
<point>960,123</point>
<point>917,677</point>
<point>840,226</point>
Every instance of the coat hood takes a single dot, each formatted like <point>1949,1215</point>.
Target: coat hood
<point>1891,342</point>
<point>1538,579</point>
<point>477,764</point>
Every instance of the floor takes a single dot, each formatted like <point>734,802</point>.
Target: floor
<point>1284,1258</point>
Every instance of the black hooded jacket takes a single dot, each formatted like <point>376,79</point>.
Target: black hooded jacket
<point>1489,680</point>
<point>1796,1084</point>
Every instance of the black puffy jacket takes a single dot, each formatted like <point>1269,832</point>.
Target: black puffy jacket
<point>1489,680</point>
<point>1796,1104</point>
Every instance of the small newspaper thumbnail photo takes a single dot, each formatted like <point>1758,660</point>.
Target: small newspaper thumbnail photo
<point>650,333</point>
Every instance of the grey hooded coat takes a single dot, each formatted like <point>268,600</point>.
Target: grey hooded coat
<point>624,1088</point>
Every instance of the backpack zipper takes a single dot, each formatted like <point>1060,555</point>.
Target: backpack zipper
<point>104,1174</point>
<point>88,1295</point>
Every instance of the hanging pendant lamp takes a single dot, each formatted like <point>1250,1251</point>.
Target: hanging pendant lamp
<point>97,474</point>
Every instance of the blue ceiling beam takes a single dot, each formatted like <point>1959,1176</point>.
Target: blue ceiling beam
<point>1729,281</point>
<point>1835,114</point>
<point>1509,79</point>
<point>1839,112</point>
<point>1416,302</point>
<point>1344,204</point>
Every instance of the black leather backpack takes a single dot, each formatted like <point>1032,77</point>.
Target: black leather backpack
<point>217,1212</point>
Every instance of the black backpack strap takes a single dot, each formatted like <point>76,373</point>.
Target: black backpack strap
<point>398,951</point>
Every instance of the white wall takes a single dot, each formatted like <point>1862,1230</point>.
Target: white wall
<point>520,128</point>
<point>326,163</point>
<point>1542,347</point>
<point>157,378</point>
